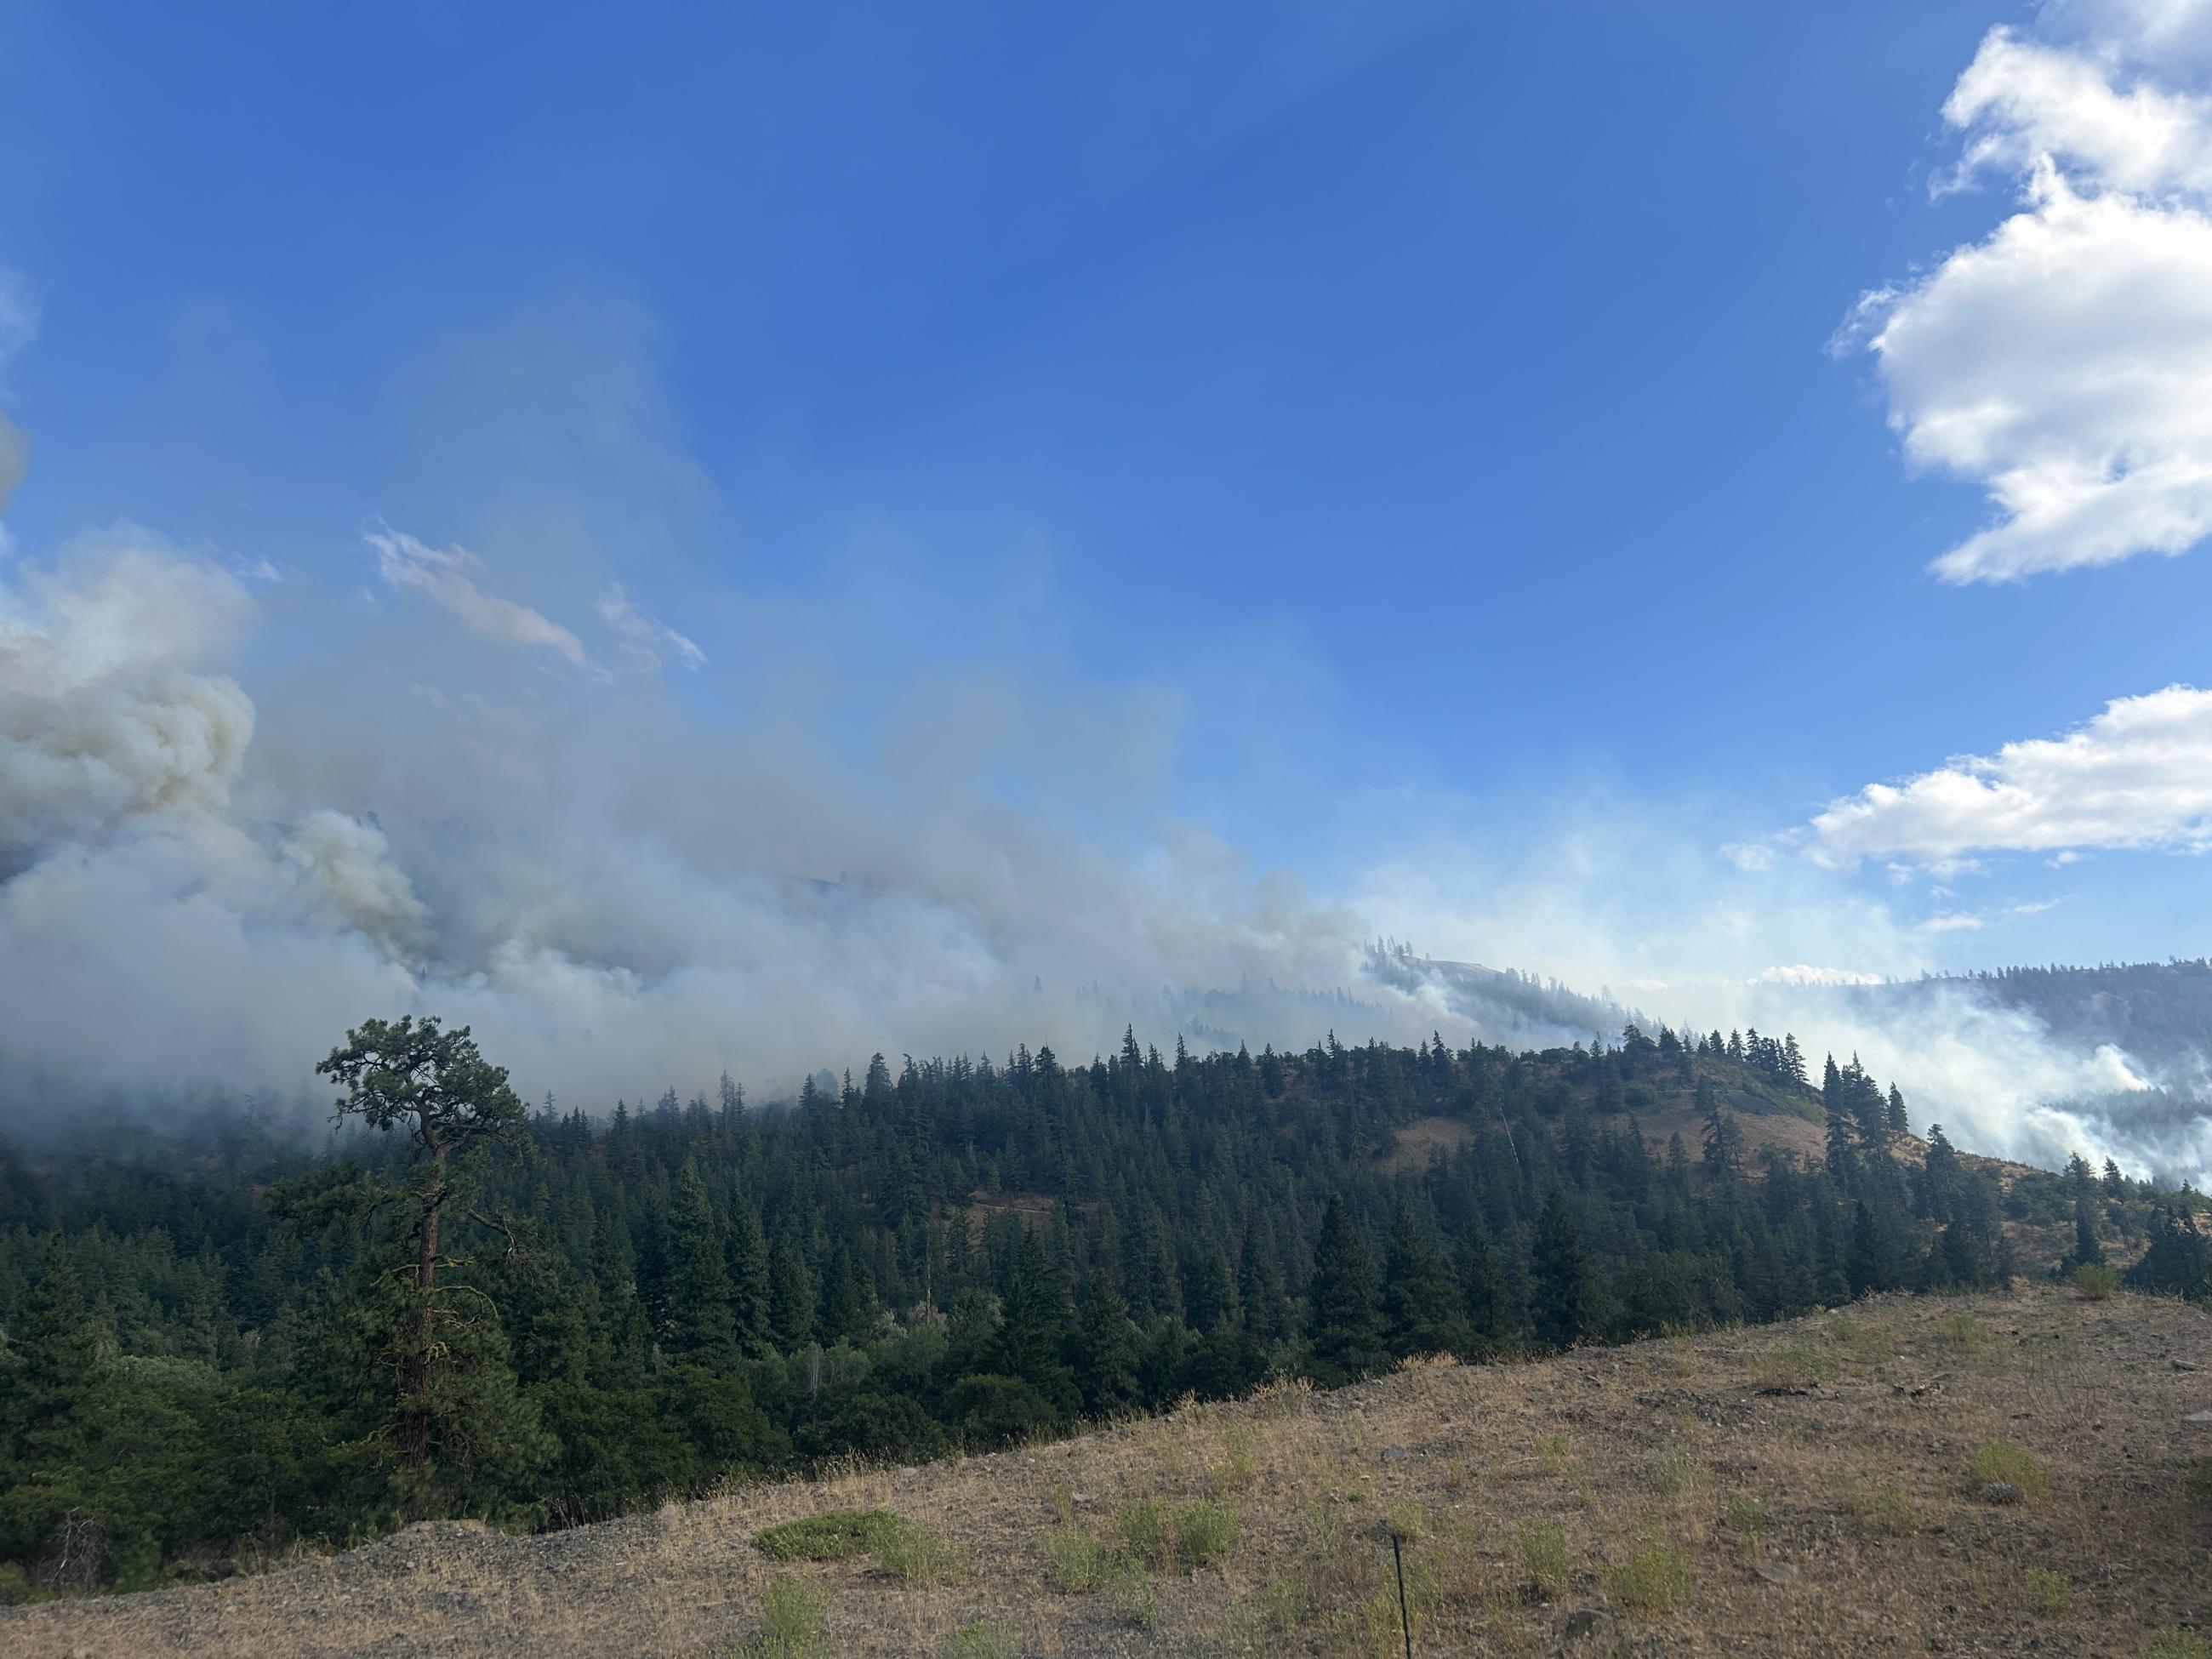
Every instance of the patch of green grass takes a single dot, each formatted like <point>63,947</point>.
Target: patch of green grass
<point>1880,1506</point>
<point>1075,1561</point>
<point>2050,1593</point>
<point>1134,1599</point>
<point>1144,1531</point>
<point>1240,1459</point>
<point>2179,1645</point>
<point>1747,1519</point>
<point>1556,1452</point>
<point>1654,1579</point>
<point>1406,1519</point>
<point>1257,1625</point>
<point>1867,1343</point>
<point>2007,1462</point>
<point>1676,1473</point>
<point>915,1555</point>
<point>1063,1503</point>
<point>2095,1281</point>
<point>837,1536</point>
<point>2200,1482</point>
<point>1962,1331</point>
<point>1794,1365</point>
<point>793,1620</point>
<point>1544,1557</point>
<point>1205,1534</point>
<point>980,1639</point>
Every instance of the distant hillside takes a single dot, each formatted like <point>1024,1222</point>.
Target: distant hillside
<point>2160,1012</point>
<point>1981,1474</point>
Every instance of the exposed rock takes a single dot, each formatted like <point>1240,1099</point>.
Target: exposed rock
<point>1586,1621</point>
<point>1780,1572</point>
<point>2000,1491</point>
<point>1395,1454</point>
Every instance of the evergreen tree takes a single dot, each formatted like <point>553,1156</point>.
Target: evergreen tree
<point>1344,1315</point>
<point>1421,1305</point>
<point>701,1326</point>
<point>1105,1347</point>
<point>1557,1264</point>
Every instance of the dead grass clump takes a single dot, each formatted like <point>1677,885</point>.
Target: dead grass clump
<point>1654,1579</point>
<point>2006,1463</point>
<point>1675,1474</point>
<point>1789,1368</point>
<point>1747,1519</point>
<point>1556,1452</point>
<point>915,1555</point>
<point>1256,1625</point>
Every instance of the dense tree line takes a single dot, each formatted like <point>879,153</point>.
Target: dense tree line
<point>218,1340</point>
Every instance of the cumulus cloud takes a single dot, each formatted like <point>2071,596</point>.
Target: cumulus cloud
<point>448,576</point>
<point>2137,775</point>
<point>2061,362</point>
<point>647,641</point>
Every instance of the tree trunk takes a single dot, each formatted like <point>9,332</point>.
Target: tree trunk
<point>415,1423</point>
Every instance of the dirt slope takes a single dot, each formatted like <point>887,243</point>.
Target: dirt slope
<point>1813,1479</point>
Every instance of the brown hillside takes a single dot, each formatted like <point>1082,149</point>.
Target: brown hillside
<point>1808,1488</point>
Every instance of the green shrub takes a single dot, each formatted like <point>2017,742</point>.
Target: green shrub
<point>2200,1482</point>
<point>1544,1555</point>
<point>980,1639</point>
<point>792,1619</point>
<point>1134,1598</point>
<point>2051,1593</point>
<point>837,1536</point>
<point>1143,1529</point>
<point>1654,1579</point>
<point>1076,1562</point>
<point>1880,1506</point>
<point>1205,1534</point>
<point>2179,1645</point>
<point>2011,1464</point>
<point>1675,1474</point>
<point>2095,1280</point>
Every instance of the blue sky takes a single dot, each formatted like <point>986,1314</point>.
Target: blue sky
<point>1423,453</point>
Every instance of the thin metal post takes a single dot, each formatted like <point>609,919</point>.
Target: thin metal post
<point>1404,1621</point>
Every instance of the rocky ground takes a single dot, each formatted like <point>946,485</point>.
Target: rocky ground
<point>2021,1475</point>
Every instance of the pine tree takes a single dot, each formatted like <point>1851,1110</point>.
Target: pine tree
<point>1557,1312</point>
<point>749,1282</point>
<point>790,1300</point>
<point>1105,1347</point>
<point>1259,1296</point>
<point>1421,1304</point>
<point>49,1416</point>
<point>1344,1316</point>
<point>701,1326</point>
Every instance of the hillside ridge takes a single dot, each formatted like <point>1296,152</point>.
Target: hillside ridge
<point>1822,1484</point>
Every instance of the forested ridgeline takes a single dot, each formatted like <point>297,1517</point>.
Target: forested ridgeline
<point>219,1342</point>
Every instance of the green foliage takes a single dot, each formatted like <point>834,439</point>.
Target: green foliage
<point>914,1554</point>
<point>1881,1507</point>
<point>1544,1558</point>
<point>2095,1281</point>
<point>793,1620</point>
<point>1654,1579</point>
<point>2051,1594</point>
<point>2011,1464</point>
<point>2179,1645</point>
<point>1144,1531</point>
<point>1205,1534</point>
<point>839,1536</point>
<point>1075,1561</point>
<point>980,1639</point>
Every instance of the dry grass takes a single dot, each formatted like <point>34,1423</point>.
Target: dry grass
<point>1657,1482</point>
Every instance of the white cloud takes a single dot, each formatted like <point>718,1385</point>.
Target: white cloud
<point>647,641</point>
<point>2061,361</point>
<point>2137,775</point>
<point>448,576</point>
<point>1749,856</point>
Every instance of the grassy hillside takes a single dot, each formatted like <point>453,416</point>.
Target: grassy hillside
<point>1826,1485</point>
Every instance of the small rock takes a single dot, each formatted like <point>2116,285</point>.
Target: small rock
<point>1083,1497</point>
<point>1781,1573</point>
<point>2198,1416</point>
<point>1395,1454</point>
<point>2185,1365</point>
<point>2000,1491</point>
<point>904,1470</point>
<point>1585,1621</point>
